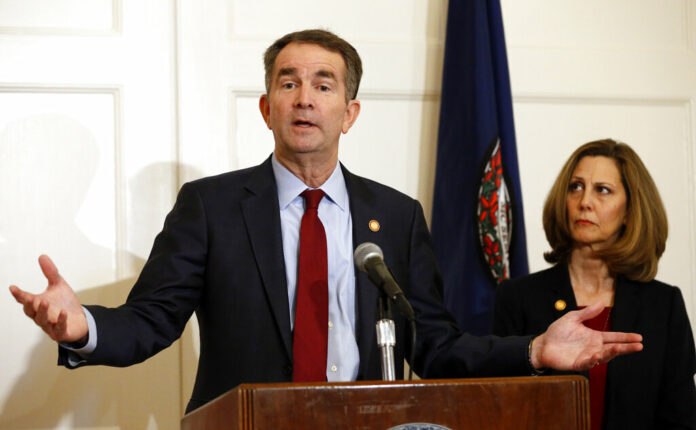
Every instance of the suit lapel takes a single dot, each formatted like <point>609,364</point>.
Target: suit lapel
<point>624,314</point>
<point>560,289</point>
<point>261,214</point>
<point>626,302</point>
<point>623,318</point>
<point>362,202</point>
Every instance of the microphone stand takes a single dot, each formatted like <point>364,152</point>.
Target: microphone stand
<point>386,338</point>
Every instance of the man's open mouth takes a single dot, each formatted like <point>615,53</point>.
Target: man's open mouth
<point>302,123</point>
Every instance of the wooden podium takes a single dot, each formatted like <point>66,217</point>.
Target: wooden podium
<point>559,402</point>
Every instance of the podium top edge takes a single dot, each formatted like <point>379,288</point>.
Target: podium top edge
<point>414,383</point>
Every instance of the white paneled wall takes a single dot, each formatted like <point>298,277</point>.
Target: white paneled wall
<point>620,69</point>
<point>87,162</point>
<point>106,107</point>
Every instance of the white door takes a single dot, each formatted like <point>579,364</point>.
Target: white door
<point>87,172</point>
<point>625,69</point>
<point>107,106</point>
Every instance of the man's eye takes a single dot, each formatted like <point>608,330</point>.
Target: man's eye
<point>288,85</point>
<point>324,88</point>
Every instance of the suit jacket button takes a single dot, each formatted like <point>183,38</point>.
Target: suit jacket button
<point>288,370</point>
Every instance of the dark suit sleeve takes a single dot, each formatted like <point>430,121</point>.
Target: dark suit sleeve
<point>442,349</point>
<point>165,295</point>
<point>677,396</point>
<point>508,317</point>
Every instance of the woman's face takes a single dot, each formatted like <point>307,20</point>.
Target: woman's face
<point>596,202</point>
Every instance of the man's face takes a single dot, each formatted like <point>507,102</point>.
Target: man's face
<point>306,105</point>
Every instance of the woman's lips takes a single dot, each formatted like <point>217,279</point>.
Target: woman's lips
<point>584,222</point>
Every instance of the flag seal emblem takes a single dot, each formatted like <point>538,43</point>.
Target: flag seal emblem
<point>494,215</point>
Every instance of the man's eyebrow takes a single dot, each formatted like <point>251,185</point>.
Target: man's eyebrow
<point>325,74</point>
<point>291,71</point>
<point>285,71</point>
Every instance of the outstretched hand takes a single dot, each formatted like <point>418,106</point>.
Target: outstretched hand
<point>569,345</point>
<point>57,310</point>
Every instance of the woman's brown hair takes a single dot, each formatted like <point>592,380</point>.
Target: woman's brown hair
<point>640,245</point>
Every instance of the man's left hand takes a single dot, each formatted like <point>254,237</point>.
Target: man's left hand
<point>569,345</point>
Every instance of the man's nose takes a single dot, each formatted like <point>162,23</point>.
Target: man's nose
<point>304,97</point>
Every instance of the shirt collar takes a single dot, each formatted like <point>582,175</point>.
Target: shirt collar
<point>290,186</point>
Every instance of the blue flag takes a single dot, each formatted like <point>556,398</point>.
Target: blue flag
<point>477,221</point>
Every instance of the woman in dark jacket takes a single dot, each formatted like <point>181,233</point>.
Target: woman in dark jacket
<point>607,228</point>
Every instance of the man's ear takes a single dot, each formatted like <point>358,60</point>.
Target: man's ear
<point>352,112</point>
<point>265,109</point>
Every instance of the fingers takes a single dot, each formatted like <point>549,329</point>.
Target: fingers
<point>609,337</point>
<point>54,325</point>
<point>628,348</point>
<point>52,309</point>
<point>49,270</point>
<point>56,331</point>
<point>62,323</point>
<point>21,296</point>
<point>34,307</point>
<point>30,309</point>
<point>41,318</point>
<point>618,343</point>
<point>28,300</point>
<point>613,351</point>
<point>623,348</point>
<point>590,311</point>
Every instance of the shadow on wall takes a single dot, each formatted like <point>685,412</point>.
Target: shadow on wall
<point>47,396</point>
<point>44,177</point>
<point>434,58</point>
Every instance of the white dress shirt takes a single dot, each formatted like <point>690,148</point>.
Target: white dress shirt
<point>343,356</point>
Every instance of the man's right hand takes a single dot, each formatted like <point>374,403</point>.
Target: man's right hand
<point>57,310</point>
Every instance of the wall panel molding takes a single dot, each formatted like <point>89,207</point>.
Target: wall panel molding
<point>521,97</point>
<point>120,189</point>
<point>349,20</point>
<point>114,27</point>
<point>690,26</point>
<point>690,151</point>
<point>635,25</point>
<point>660,128</point>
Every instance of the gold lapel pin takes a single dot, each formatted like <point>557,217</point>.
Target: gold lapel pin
<point>560,305</point>
<point>374,225</point>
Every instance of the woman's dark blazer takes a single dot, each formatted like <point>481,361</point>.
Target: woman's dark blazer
<point>651,389</point>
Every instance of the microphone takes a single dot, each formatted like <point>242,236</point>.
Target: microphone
<point>369,258</point>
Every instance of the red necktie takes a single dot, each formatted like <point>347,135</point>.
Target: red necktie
<point>312,308</point>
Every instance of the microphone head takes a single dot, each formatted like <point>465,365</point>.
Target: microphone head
<point>364,252</point>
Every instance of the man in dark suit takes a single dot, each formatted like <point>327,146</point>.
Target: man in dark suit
<point>228,251</point>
